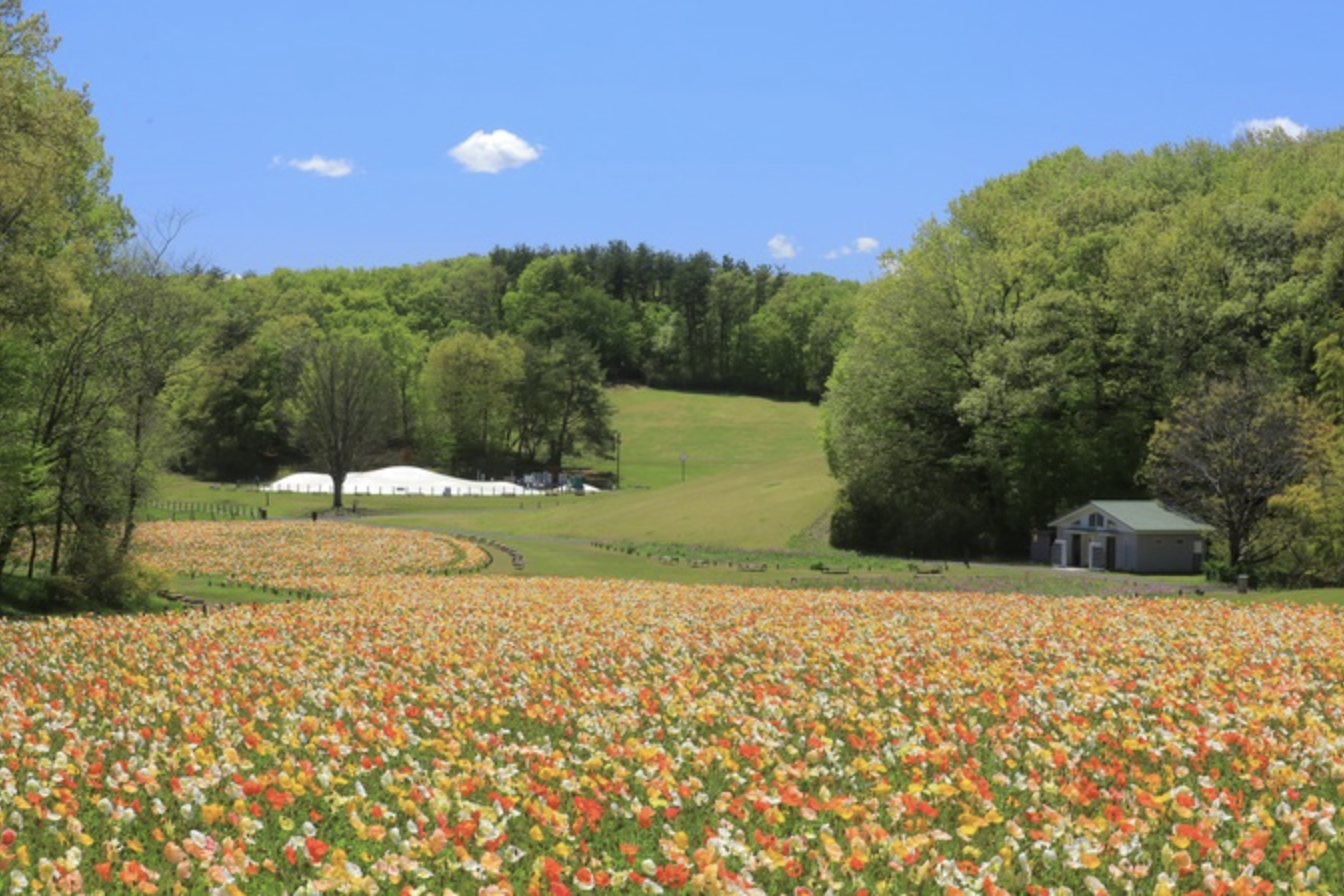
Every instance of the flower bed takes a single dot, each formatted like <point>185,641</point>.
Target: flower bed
<point>259,553</point>
<point>505,735</point>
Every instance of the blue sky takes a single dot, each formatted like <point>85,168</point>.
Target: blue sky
<point>811,136</point>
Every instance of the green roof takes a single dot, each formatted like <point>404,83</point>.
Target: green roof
<point>1144,516</point>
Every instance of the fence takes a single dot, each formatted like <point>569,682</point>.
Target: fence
<point>194,510</point>
<point>484,490</point>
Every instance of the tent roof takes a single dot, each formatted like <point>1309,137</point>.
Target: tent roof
<point>393,480</point>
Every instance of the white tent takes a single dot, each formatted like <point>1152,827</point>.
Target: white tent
<point>397,481</point>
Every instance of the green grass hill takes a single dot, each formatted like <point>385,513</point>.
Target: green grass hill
<point>755,477</point>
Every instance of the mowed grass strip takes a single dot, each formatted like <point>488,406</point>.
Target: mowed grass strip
<point>717,433</point>
<point>760,506</point>
<point>755,476</point>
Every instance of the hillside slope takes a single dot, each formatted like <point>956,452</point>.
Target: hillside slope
<point>755,476</point>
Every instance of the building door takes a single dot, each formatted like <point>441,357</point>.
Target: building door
<point>1076,551</point>
<point>1110,553</point>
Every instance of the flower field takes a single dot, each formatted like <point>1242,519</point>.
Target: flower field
<point>427,733</point>
<point>265,553</point>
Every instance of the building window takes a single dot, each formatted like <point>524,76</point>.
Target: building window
<point>1095,520</point>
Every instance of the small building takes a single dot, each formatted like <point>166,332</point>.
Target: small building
<point>1129,536</point>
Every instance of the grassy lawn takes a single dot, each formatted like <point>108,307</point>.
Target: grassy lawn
<point>215,591</point>
<point>183,498</point>
<point>759,506</point>
<point>718,434</point>
<point>1328,596</point>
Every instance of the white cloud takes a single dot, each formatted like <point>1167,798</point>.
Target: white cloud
<point>320,166</point>
<point>493,152</point>
<point>782,246</point>
<point>1260,126</point>
<point>862,246</point>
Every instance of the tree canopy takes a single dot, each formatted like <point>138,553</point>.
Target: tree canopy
<point>1227,450</point>
<point>1018,357</point>
<point>66,403</point>
<point>343,406</point>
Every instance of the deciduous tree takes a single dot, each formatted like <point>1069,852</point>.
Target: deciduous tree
<point>468,386</point>
<point>58,224</point>
<point>345,405</point>
<point>1227,450</point>
<point>559,406</point>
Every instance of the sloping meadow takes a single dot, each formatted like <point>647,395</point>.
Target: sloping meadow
<point>423,732</point>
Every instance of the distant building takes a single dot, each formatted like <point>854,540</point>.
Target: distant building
<point>1129,536</point>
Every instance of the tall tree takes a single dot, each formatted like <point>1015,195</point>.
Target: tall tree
<point>797,334</point>
<point>893,433</point>
<point>559,405</point>
<point>58,225</point>
<point>57,217</point>
<point>345,405</point>
<point>1227,450</point>
<point>553,300</point>
<point>157,315</point>
<point>467,386</point>
<point>230,399</point>
<point>732,301</point>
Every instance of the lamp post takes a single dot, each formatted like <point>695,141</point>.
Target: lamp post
<point>618,459</point>
<point>683,466</point>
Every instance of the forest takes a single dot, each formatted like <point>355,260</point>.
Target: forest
<point>493,363</point>
<point>1161,323</point>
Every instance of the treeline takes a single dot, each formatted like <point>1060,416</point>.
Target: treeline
<point>496,362</point>
<point>655,317</point>
<point>86,331</point>
<point>1020,356</point>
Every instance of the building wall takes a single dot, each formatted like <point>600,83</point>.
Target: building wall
<point>1170,554</point>
<point>1166,554</point>
<point>1126,547</point>
<point>1127,552</point>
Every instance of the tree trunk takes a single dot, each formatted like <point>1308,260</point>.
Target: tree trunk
<point>337,488</point>
<point>133,490</point>
<point>57,530</point>
<point>7,538</point>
